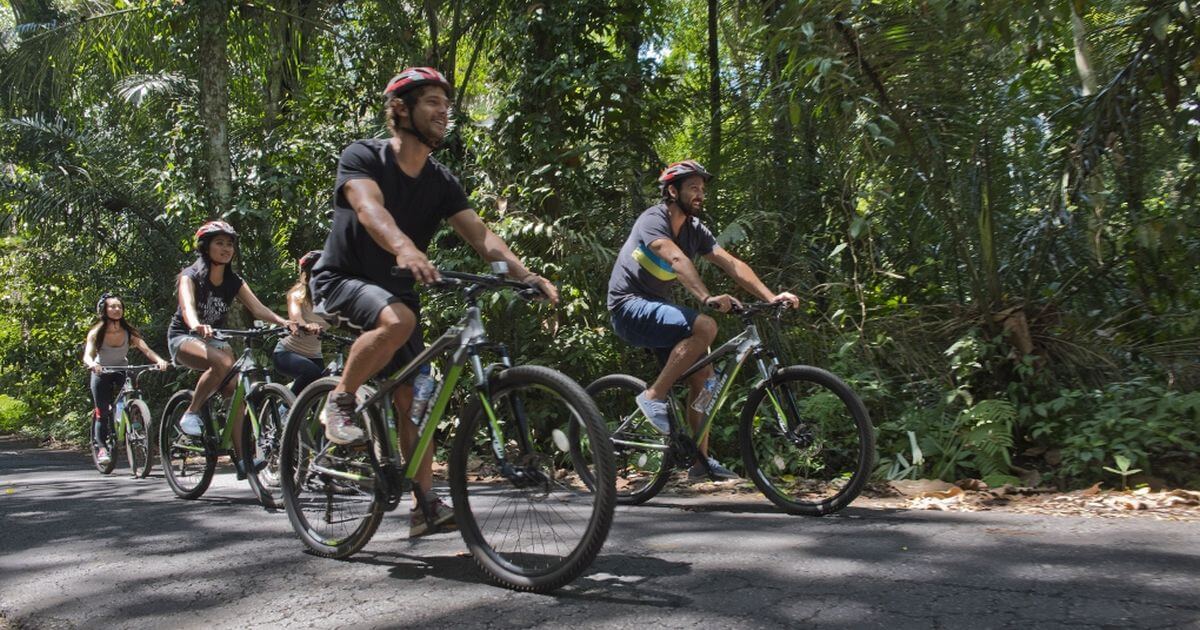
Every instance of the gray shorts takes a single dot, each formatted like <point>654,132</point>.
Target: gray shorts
<point>173,344</point>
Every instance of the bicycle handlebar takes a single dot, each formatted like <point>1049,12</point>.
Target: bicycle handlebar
<point>750,309</point>
<point>249,333</point>
<point>112,369</point>
<point>455,279</point>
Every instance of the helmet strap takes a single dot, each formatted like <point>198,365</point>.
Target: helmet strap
<point>421,137</point>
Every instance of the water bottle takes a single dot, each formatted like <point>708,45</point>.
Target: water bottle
<point>708,395</point>
<point>422,392</point>
<point>118,410</point>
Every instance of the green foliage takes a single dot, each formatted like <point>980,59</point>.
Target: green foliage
<point>13,414</point>
<point>995,261</point>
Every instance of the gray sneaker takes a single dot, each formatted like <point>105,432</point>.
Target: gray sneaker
<point>715,471</point>
<point>657,411</point>
<point>338,418</point>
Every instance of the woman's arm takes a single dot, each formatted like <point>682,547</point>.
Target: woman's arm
<point>187,305</point>
<point>259,310</point>
<point>89,351</point>
<point>140,344</point>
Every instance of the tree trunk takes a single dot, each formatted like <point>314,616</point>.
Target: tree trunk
<point>433,58</point>
<point>714,90</point>
<point>214,102</point>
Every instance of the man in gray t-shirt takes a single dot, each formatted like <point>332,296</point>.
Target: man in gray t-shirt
<point>659,252</point>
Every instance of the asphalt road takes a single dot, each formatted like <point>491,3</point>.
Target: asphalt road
<point>81,550</point>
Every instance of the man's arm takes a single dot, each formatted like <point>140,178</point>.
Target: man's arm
<point>366,199</point>
<point>491,247</point>
<point>740,272</point>
<point>688,276</point>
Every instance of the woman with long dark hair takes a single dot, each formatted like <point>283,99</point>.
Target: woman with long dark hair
<point>206,290</point>
<point>298,356</point>
<point>108,343</point>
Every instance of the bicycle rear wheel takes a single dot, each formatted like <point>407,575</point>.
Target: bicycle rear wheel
<point>329,491</point>
<point>187,464</point>
<point>137,438</point>
<point>270,403</point>
<point>530,521</point>
<point>807,441</point>
<point>643,459</point>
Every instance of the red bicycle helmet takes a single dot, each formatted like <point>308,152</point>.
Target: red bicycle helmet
<point>412,78</point>
<point>308,260</point>
<point>680,170</point>
<point>213,228</point>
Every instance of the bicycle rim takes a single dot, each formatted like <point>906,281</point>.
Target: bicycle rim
<point>539,530</point>
<point>643,463</point>
<point>328,490</point>
<point>807,441</point>
<point>137,438</point>
<point>187,465</point>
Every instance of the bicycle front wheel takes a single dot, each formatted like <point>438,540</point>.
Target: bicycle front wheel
<point>137,438</point>
<point>643,459</point>
<point>329,491</point>
<point>528,518</point>
<point>807,441</point>
<point>270,403</point>
<point>187,464</point>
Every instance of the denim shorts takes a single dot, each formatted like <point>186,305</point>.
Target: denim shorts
<point>175,342</point>
<point>658,326</point>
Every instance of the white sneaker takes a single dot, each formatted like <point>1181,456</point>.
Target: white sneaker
<point>192,424</point>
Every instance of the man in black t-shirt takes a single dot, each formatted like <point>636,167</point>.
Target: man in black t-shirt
<point>659,251</point>
<point>389,200</point>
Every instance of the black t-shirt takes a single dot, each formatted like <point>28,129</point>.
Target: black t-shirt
<point>639,272</point>
<point>212,302</point>
<point>417,205</point>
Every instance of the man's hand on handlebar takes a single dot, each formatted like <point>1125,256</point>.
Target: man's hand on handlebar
<point>723,303</point>
<point>787,297</point>
<point>418,264</point>
<point>545,286</point>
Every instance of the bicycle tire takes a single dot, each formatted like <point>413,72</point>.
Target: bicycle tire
<point>814,464</point>
<point>488,505</point>
<point>174,450</point>
<point>137,441</point>
<point>641,473</point>
<point>304,489</point>
<point>271,402</point>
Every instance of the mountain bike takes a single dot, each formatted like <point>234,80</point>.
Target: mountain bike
<point>129,423</point>
<point>190,462</point>
<point>806,439</point>
<point>526,516</point>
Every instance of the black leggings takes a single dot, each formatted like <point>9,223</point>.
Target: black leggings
<point>299,367</point>
<point>104,390</point>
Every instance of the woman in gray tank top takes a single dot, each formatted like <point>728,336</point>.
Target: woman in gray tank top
<point>298,356</point>
<point>108,342</point>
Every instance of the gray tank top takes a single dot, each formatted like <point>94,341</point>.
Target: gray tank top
<point>112,355</point>
<point>303,344</point>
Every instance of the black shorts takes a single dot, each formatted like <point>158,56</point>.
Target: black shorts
<point>357,302</point>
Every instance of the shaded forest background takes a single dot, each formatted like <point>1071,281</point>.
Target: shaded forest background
<point>988,207</point>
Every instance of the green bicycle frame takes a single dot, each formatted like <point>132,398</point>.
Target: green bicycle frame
<point>461,342</point>
<point>746,344</point>
<point>244,364</point>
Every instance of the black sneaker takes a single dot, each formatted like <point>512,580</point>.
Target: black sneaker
<point>715,471</point>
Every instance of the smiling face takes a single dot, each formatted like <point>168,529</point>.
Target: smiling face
<point>221,249</point>
<point>114,309</point>
<point>690,195</point>
<point>430,113</point>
